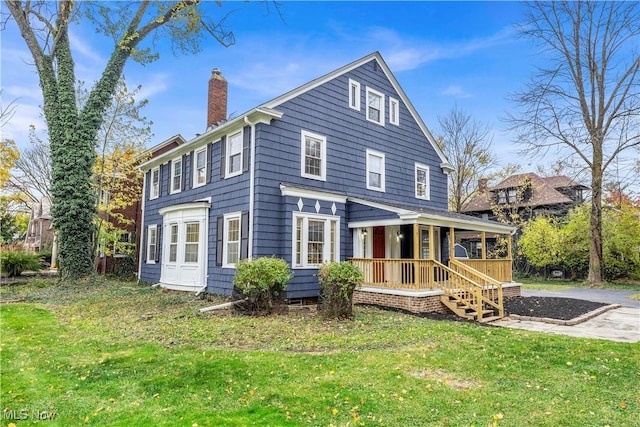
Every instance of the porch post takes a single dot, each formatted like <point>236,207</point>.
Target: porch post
<point>483,240</point>
<point>509,246</point>
<point>452,243</point>
<point>416,255</point>
<point>432,246</point>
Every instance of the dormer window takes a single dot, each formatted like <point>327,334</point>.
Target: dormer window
<point>513,195</point>
<point>502,197</point>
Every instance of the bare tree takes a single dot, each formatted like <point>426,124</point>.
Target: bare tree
<point>585,100</point>
<point>467,145</point>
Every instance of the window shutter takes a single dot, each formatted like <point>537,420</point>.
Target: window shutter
<point>143,244</point>
<point>158,242</point>
<point>185,175</point>
<point>209,164</point>
<point>223,152</point>
<point>219,239</point>
<point>244,236</point>
<point>169,172</point>
<point>147,187</point>
<point>246,148</point>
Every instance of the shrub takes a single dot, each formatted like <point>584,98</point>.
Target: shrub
<point>13,263</point>
<point>124,268</point>
<point>261,280</point>
<point>338,281</point>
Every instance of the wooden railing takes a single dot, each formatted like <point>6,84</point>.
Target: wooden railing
<point>499,269</point>
<point>491,288</point>
<point>396,273</point>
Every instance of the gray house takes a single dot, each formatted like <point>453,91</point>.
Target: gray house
<point>341,168</point>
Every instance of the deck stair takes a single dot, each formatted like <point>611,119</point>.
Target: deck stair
<point>469,293</point>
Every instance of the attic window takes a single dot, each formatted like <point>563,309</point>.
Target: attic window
<point>354,95</point>
<point>394,111</point>
<point>375,106</point>
<point>502,197</point>
<point>513,195</point>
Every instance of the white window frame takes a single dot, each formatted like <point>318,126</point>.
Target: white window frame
<point>381,96</point>
<point>174,162</point>
<point>327,249</point>
<point>196,169</point>
<point>187,242</point>
<point>427,186</point>
<point>354,95</point>
<point>227,160</point>
<point>323,155</point>
<point>382,173</point>
<point>154,191</point>
<point>171,243</point>
<point>394,111</point>
<point>150,229</point>
<point>235,216</point>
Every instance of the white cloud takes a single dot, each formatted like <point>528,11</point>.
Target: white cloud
<point>456,91</point>
<point>153,84</point>
<point>80,46</point>
<point>17,128</point>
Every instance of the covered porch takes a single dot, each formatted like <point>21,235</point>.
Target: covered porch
<point>463,260</point>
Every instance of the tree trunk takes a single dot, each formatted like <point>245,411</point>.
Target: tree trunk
<point>596,261</point>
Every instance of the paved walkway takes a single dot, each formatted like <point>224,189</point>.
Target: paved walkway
<point>620,324</point>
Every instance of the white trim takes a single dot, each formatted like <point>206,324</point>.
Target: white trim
<point>149,228</point>
<point>143,240</point>
<point>172,176</point>
<point>427,185</point>
<point>194,167</point>
<point>382,173</point>
<point>354,86</point>
<point>394,113</point>
<point>225,237</point>
<point>151,187</point>
<point>227,154</point>
<point>204,203</point>
<point>400,292</point>
<point>326,252</point>
<point>380,95</point>
<point>286,190</point>
<point>323,155</point>
<point>377,205</point>
<point>252,184</point>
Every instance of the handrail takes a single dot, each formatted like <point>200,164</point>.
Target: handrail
<point>491,288</point>
<point>466,290</point>
<point>456,264</point>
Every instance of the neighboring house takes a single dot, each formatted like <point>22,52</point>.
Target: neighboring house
<point>131,227</point>
<point>527,195</point>
<point>39,234</point>
<point>341,168</point>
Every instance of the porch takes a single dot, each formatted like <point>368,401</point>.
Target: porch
<point>464,269</point>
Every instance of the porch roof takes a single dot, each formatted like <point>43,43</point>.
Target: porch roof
<point>407,214</point>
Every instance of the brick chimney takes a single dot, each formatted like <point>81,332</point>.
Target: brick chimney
<point>217,100</point>
<point>482,185</point>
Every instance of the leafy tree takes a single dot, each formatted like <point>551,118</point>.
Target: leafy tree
<point>540,242</point>
<point>8,156</point>
<point>467,145</point>
<point>584,102</point>
<point>72,130</point>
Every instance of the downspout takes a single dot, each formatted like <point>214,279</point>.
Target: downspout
<point>252,174</point>
<point>142,233</point>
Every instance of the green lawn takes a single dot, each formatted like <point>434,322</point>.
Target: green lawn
<point>561,284</point>
<point>122,354</point>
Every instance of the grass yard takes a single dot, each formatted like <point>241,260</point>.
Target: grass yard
<point>122,354</point>
<point>562,284</point>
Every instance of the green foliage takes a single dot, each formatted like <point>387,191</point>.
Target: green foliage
<point>13,263</point>
<point>261,280</point>
<point>124,268</point>
<point>621,235</point>
<point>540,242</point>
<point>338,281</point>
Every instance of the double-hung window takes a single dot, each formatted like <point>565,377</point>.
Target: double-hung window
<point>200,169</point>
<point>173,242</point>
<point>231,239</point>
<point>152,243</point>
<point>394,111</point>
<point>315,239</point>
<point>422,181</point>
<point>354,95</point>
<point>314,156</point>
<point>176,175</point>
<point>192,241</point>
<point>375,106</point>
<point>155,183</point>
<point>234,154</point>
<point>375,170</point>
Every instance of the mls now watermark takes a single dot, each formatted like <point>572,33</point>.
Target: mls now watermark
<point>28,414</point>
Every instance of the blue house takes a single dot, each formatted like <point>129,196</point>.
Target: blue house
<point>341,168</point>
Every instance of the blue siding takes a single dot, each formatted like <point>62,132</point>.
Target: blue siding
<point>323,110</point>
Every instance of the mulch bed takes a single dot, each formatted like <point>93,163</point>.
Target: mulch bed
<point>550,307</point>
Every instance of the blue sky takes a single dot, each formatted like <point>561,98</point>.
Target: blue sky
<point>443,54</point>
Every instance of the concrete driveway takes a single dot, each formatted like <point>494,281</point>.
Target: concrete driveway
<point>620,324</point>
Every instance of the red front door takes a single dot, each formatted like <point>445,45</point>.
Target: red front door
<point>378,252</point>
